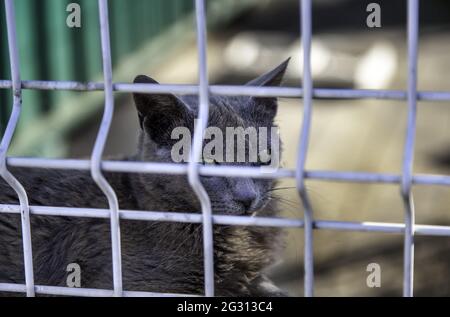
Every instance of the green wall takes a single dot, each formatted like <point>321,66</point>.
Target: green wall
<point>49,50</point>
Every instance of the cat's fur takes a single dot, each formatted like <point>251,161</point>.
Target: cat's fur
<point>156,256</point>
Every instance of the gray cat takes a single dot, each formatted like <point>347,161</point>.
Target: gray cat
<point>156,256</point>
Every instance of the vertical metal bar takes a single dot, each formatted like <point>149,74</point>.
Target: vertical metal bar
<point>6,140</point>
<point>99,147</point>
<point>408,154</point>
<point>306,34</point>
<point>197,146</point>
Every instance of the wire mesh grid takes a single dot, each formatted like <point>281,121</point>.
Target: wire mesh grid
<point>96,165</point>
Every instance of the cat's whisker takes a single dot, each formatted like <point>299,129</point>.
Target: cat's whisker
<point>288,203</point>
<point>309,190</point>
<point>280,188</point>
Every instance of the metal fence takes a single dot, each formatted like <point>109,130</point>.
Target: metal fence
<point>405,180</point>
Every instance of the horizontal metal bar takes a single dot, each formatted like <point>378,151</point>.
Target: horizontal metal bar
<point>226,171</point>
<point>156,216</point>
<point>148,167</point>
<point>287,92</point>
<point>381,178</point>
<point>428,179</point>
<point>357,177</point>
<point>426,230</point>
<point>382,227</point>
<point>86,292</point>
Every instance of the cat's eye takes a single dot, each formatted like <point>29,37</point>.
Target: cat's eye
<point>209,160</point>
<point>264,157</point>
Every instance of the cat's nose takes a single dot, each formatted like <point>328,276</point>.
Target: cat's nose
<point>246,199</point>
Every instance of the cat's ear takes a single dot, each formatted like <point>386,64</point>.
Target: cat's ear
<point>271,78</point>
<point>265,108</point>
<point>159,113</point>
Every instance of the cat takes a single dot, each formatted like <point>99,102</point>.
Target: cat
<point>156,256</point>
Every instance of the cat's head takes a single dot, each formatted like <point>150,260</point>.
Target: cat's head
<point>167,125</point>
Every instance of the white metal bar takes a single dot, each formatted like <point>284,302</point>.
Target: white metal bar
<point>6,140</point>
<point>231,90</point>
<point>306,34</point>
<point>424,179</point>
<point>408,154</point>
<point>381,227</point>
<point>427,230</point>
<point>356,177</point>
<point>156,216</point>
<point>86,292</point>
<point>228,171</point>
<point>197,146</point>
<point>99,147</point>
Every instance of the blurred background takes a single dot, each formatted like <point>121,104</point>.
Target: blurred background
<point>245,39</point>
